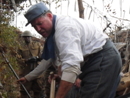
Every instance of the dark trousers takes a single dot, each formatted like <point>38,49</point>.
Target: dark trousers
<point>100,74</point>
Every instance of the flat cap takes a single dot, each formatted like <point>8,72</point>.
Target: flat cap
<point>34,11</point>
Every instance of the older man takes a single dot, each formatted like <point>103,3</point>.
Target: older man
<point>75,41</point>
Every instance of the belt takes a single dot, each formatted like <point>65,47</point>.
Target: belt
<point>86,58</point>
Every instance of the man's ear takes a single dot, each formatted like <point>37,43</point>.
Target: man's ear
<point>50,15</point>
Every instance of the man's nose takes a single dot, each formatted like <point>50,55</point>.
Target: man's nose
<point>38,28</point>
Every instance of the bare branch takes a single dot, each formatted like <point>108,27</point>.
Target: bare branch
<point>81,9</point>
<point>14,5</point>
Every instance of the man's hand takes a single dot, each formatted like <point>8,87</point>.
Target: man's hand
<point>54,77</point>
<point>22,80</point>
<point>77,82</point>
<point>32,60</point>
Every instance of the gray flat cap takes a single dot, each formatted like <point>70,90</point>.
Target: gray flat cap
<point>35,11</point>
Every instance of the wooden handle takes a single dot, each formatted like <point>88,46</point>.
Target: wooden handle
<point>52,90</point>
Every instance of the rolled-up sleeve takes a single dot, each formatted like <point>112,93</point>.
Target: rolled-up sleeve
<point>70,74</point>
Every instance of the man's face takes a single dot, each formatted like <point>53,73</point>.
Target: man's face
<point>43,25</point>
<point>27,39</point>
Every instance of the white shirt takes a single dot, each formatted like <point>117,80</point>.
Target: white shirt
<point>74,38</point>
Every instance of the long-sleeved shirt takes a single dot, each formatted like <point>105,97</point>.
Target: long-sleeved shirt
<point>74,39</point>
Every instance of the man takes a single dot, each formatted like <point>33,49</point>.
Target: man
<point>30,52</point>
<point>76,41</point>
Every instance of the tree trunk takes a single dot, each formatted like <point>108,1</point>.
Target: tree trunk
<point>30,2</point>
<point>14,6</point>
<point>81,9</point>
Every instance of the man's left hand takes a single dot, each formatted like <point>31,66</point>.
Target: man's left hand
<point>77,82</point>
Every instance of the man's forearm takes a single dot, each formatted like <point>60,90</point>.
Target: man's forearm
<point>63,89</point>
<point>44,65</point>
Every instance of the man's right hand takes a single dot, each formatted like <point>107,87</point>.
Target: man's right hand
<point>32,60</point>
<point>54,77</point>
<point>22,80</point>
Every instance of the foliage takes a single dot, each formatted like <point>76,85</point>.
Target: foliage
<point>10,2</point>
<point>19,1</point>
<point>8,39</point>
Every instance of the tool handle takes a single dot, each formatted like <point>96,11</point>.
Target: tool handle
<point>52,90</point>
